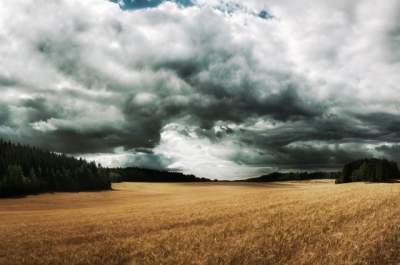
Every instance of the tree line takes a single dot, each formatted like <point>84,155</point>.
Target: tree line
<point>26,170</point>
<point>134,174</point>
<point>289,176</point>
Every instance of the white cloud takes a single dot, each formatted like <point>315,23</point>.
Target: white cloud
<point>192,153</point>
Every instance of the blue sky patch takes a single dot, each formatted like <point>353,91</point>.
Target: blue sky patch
<point>265,15</point>
<point>141,4</point>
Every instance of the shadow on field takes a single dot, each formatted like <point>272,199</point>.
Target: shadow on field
<point>391,181</point>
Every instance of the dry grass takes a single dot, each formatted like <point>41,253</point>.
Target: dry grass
<point>292,223</point>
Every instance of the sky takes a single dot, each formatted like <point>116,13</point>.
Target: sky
<point>216,88</point>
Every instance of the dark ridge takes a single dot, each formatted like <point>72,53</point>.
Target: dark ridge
<point>279,176</point>
<point>133,174</point>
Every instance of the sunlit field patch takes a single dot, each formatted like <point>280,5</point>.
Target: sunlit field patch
<point>312,222</point>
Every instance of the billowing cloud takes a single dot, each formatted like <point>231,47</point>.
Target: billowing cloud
<point>218,88</point>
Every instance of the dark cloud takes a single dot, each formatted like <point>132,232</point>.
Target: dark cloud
<point>322,142</point>
<point>223,88</point>
<point>4,115</point>
<point>7,82</point>
<point>74,142</point>
<point>40,110</point>
<point>385,125</point>
<point>390,151</point>
<point>147,160</point>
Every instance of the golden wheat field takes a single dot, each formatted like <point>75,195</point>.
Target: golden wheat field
<point>312,222</point>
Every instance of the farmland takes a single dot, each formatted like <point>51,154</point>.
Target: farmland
<point>308,222</point>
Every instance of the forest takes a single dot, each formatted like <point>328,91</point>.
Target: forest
<point>28,170</point>
<point>371,170</point>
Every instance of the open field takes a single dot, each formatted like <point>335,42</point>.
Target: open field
<point>213,223</point>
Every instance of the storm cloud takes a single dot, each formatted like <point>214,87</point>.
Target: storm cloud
<point>221,89</point>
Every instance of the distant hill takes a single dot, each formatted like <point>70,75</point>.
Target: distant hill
<point>373,170</point>
<point>279,176</point>
<point>134,174</point>
<point>26,170</point>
